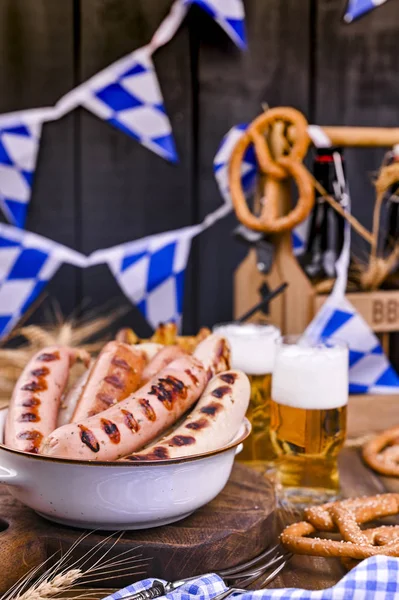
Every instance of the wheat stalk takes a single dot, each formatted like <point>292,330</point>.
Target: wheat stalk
<point>50,588</point>
<point>65,575</point>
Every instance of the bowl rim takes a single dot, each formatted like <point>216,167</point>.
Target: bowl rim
<point>238,439</point>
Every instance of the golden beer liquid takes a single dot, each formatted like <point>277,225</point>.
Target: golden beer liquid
<point>307,442</point>
<point>258,446</point>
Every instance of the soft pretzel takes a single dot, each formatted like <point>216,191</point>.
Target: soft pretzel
<point>382,452</point>
<point>276,170</point>
<point>345,517</point>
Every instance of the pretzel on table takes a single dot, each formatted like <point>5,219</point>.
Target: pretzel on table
<point>345,518</point>
<point>382,452</point>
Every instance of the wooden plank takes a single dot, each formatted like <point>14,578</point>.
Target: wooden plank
<point>128,192</point>
<point>36,68</point>
<point>232,87</point>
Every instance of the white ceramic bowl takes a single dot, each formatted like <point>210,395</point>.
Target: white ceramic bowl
<point>116,496</point>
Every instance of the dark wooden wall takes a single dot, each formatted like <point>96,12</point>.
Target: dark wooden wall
<point>96,187</point>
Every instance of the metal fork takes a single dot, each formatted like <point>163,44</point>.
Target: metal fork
<point>242,576</point>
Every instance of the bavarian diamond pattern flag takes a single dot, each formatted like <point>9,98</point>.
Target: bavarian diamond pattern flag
<point>229,14</point>
<point>19,146</point>
<point>127,95</point>
<point>150,271</point>
<point>27,263</point>
<point>357,8</point>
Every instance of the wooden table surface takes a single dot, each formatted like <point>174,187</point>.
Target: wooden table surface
<point>318,573</point>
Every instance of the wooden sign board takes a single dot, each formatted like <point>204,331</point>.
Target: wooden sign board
<point>379,309</point>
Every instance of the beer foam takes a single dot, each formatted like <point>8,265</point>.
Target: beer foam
<point>311,377</point>
<point>253,347</point>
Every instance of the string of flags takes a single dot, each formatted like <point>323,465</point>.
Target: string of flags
<point>126,94</point>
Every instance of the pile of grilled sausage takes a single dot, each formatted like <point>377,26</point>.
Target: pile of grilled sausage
<point>126,403</point>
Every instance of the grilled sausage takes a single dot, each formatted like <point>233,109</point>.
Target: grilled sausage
<point>70,400</point>
<point>33,410</point>
<point>214,353</point>
<point>213,423</point>
<point>134,422</point>
<point>163,358</point>
<point>114,376</point>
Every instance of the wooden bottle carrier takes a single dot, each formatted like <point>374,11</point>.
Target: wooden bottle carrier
<point>271,134</point>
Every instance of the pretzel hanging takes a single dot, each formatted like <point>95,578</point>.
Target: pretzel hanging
<point>345,517</point>
<point>270,220</point>
<point>382,452</point>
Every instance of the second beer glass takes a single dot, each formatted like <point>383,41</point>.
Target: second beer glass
<point>253,349</point>
<point>308,417</point>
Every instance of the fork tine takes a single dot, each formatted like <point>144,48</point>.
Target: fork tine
<point>253,576</point>
<point>243,566</point>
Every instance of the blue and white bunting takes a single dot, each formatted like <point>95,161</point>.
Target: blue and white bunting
<point>27,262</point>
<point>19,146</point>
<point>126,94</point>
<point>357,8</point>
<point>229,14</point>
<point>151,270</point>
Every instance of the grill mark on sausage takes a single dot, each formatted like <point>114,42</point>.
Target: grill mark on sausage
<point>49,356</point>
<point>35,437</point>
<point>89,438</point>
<point>148,410</point>
<point>130,421</point>
<point>29,417</point>
<point>31,402</point>
<point>106,398</point>
<point>182,440</point>
<point>158,453</point>
<point>168,389</point>
<point>193,378</point>
<point>35,386</point>
<point>228,377</point>
<point>221,391</point>
<point>196,425</point>
<point>211,409</point>
<point>111,430</point>
<point>121,363</point>
<point>115,381</point>
<point>40,372</point>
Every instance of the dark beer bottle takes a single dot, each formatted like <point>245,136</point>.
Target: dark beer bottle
<point>326,229</point>
<point>389,223</point>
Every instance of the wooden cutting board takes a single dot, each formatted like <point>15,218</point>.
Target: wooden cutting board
<point>235,527</point>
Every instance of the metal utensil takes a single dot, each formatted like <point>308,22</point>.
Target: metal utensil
<point>242,575</point>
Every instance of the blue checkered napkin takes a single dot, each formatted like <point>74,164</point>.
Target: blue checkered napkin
<point>19,145</point>
<point>376,578</point>
<point>357,8</point>
<point>27,263</point>
<point>229,14</point>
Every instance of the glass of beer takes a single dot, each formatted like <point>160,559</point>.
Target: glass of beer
<point>253,349</point>
<point>308,417</point>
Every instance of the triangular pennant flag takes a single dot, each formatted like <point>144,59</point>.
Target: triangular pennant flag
<point>19,146</point>
<point>229,14</point>
<point>357,8</point>
<point>150,271</point>
<point>128,96</point>
<point>369,369</point>
<point>27,263</point>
